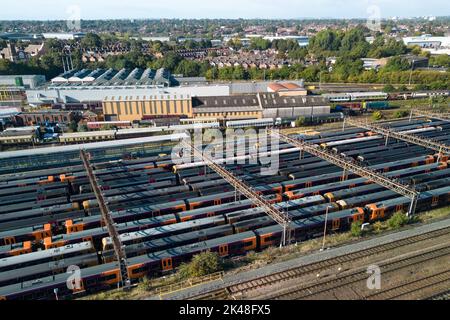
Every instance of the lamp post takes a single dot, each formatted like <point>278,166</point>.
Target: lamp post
<point>325,228</point>
<point>410,74</point>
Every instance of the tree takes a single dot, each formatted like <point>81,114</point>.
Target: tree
<point>91,40</point>
<point>202,264</point>
<point>397,64</point>
<point>238,73</point>
<point>188,68</point>
<point>388,88</point>
<point>82,127</point>
<point>259,43</point>
<point>325,40</point>
<point>442,60</point>
<point>73,126</point>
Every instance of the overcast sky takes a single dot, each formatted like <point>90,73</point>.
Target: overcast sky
<point>114,9</point>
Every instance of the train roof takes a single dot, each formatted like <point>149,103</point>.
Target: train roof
<point>321,218</point>
<point>52,281</point>
<point>150,207</point>
<point>221,207</point>
<point>49,254</point>
<point>169,228</point>
<point>302,223</point>
<point>157,243</point>
<point>47,266</point>
<point>308,211</point>
<point>191,248</point>
<point>91,146</point>
<point>299,202</point>
<point>211,197</point>
<point>405,200</point>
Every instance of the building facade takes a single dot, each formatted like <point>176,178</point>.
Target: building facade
<point>136,108</point>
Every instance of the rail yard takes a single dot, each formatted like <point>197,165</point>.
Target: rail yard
<point>52,216</point>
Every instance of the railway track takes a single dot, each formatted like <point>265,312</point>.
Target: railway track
<point>441,296</point>
<point>414,288</point>
<point>340,281</point>
<point>239,289</point>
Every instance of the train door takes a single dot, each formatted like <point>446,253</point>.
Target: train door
<point>308,184</point>
<point>223,250</point>
<point>9,240</point>
<point>217,202</point>
<point>167,264</point>
<point>435,201</point>
<point>335,224</point>
<point>76,285</point>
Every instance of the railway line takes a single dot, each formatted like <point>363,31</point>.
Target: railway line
<point>413,289</point>
<point>240,290</point>
<point>347,280</point>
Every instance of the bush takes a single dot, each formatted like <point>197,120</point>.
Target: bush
<point>401,113</point>
<point>202,264</point>
<point>300,121</point>
<point>388,88</point>
<point>398,220</point>
<point>355,229</point>
<point>377,115</point>
<point>378,226</point>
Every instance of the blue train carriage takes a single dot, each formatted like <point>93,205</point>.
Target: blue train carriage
<point>428,199</point>
<point>92,278</point>
<point>35,233</point>
<point>311,227</point>
<point>167,260</point>
<point>41,270</point>
<point>142,248</point>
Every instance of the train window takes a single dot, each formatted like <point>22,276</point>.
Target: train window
<point>138,270</point>
<point>248,243</point>
<point>110,277</point>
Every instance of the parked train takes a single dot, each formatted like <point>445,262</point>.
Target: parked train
<point>108,274</point>
<point>367,96</point>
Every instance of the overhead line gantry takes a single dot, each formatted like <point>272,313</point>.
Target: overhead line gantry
<point>410,138</point>
<point>349,165</point>
<point>278,216</point>
<point>443,116</point>
<point>108,220</point>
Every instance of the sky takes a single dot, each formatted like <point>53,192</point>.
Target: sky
<point>276,9</point>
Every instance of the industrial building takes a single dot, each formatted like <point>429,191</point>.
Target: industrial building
<point>45,116</point>
<point>135,108</point>
<point>231,107</point>
<point>25,81</point>
<point>250,106</point>
<point>287,89</point>
<point>277,106</point>
<point>87,86</point>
